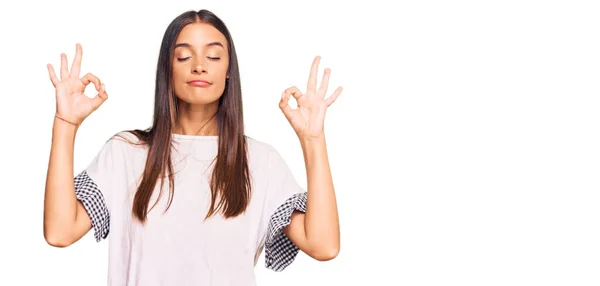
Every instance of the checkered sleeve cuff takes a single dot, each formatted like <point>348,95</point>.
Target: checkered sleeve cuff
<point>92,199</point>
<point>280,251</point>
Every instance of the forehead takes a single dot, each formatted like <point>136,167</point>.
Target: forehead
<point>200,34</point>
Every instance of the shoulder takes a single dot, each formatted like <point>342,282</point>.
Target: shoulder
<point>266,151</point>
<point>125,140</point>
<point>256,146</point>
<point>121,145</point>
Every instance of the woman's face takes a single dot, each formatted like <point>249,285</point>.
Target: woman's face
<point>200,55</point>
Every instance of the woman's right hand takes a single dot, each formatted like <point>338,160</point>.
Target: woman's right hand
<point>71,102</point>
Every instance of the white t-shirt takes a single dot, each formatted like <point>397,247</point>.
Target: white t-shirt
<point>177,246</point>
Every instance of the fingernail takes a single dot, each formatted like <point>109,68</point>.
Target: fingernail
<point>104,87</point>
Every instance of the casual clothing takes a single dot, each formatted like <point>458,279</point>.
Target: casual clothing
<point>177,246</point>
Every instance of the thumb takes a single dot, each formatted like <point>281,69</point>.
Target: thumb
<point>100,97</point>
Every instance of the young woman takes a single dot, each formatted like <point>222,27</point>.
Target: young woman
<point>192,200</point>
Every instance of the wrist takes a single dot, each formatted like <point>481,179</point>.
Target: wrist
<point>72,122</point>
<point>307,140</point>
<point>62,126</point>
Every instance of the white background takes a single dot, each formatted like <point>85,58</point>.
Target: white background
<point>465,147</point>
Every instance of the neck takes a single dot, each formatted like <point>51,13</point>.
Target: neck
<point>197,120</point>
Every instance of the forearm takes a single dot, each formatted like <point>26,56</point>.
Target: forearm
<point>321,221</point>
<point>60,203</point>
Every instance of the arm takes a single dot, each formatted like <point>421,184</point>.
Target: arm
<point>317,232</point>
<point>65,219</point>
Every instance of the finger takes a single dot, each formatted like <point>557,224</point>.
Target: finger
<point>330,100</point>
<point>64,72</point>
<point>86,79</point>
<point>53,77</point>
<point>100,98</point>
<point>295,92</point>
<point>312,78</point>
<point>75,68</point>
<point>325,82</point>
<point>283,104</point>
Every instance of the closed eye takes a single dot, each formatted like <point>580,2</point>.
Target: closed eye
<point>210,58</point>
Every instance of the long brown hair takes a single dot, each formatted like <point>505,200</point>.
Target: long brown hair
<point>230,181</point>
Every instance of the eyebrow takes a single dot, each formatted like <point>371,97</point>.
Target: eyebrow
<point>207,45</point>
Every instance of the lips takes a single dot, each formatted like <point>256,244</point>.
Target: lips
<point>199,83</point>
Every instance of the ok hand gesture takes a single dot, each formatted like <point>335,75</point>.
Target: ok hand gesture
<point>72,104</point>
<point>308,119</point>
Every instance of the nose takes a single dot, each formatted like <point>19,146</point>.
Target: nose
<point>198,66</point>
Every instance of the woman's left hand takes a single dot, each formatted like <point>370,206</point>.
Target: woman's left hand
<point>309,117</point>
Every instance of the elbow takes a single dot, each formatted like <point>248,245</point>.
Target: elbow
<point>56,240</point>
<point>327,253</point>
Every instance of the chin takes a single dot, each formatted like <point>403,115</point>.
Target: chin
<point>199,99</point>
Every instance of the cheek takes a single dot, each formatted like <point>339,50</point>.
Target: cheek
<point>223,72</point>
<point>222,66</point>
<point>178,81</point>
<point>177,74</point>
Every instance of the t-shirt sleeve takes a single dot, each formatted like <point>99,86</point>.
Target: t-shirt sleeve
<point>93,186</point>
<point>285,196</point>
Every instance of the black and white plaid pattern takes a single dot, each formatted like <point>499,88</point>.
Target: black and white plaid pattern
<point>280,251</point>
<point>92,199</point>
